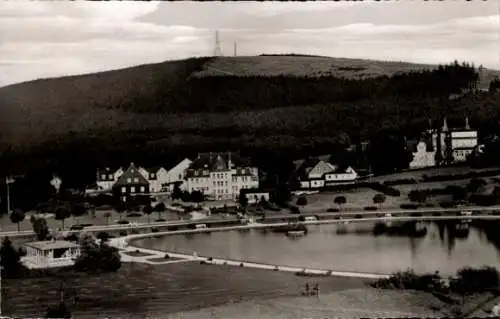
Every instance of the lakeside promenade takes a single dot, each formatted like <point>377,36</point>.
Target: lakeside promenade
<point>324,217</point>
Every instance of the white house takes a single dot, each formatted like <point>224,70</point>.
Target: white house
<point>107,177</point>
<point>177,174</point>
<point>220,176</point>
<point>47,254</point>
<point>156,176</point>
<point>318,173</point>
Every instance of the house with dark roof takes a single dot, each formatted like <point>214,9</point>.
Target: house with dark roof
<point>131,183</point>
<point>318,172</point>
<point>220,175</point>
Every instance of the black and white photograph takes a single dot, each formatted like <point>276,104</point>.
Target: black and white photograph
<point>249,159</point>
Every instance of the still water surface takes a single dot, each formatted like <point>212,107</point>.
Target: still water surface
<point>330,247</point>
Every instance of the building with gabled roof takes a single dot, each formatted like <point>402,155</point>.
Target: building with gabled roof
<point>221,175</point>
<point>156,176</point>
<point>107,177</point>
<point>318,172</point>
<point>131,182</point>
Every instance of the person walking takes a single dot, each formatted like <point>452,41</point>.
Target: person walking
<point>316,288</point>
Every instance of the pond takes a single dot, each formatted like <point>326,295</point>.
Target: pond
<point>445,246</point>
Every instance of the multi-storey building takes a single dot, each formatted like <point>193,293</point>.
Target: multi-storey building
<point>220,176</point>
<point>444,145</point>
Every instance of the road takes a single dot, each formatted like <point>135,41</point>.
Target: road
<point>428,214</point>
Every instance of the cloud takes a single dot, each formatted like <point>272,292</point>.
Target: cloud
<point>41,39</point>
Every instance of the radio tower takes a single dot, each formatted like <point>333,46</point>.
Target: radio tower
<point>235,51</point>
<point>217,50</point>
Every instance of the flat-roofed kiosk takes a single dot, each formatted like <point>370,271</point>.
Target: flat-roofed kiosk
<point>47,254</point>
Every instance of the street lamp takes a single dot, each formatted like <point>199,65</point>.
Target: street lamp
<point>8,180</point>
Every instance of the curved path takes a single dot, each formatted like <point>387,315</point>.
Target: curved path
<point>122,243</point>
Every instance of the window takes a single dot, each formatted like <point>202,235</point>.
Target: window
<point>110,176</point>
<point>214,183</point>
<point>124,190</point>
<point>180,176</point>
<point>103,176</point>
<point>226,183</point>
<point>129,180</point>
<point>152,176</point>
<point>136,180</point>
<point>132,189</point>
<point>142,189</point>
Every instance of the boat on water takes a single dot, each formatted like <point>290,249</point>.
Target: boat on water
<point>296,233</point>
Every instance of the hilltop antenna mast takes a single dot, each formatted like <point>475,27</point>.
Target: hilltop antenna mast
<point>217,50</point>
<point>235,50</point>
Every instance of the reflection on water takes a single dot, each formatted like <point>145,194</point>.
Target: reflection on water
<point>445,245</point>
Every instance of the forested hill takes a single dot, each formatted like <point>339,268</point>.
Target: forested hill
<point>262,102</point>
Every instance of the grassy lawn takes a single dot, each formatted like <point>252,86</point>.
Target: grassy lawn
<point>356,199</point>
<point>139,289</point>
<point>137,254</point>
<point>7,225</point>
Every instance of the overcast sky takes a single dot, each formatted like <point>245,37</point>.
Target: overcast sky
<point>54,38</point>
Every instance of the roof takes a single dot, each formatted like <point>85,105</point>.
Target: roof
<point>50,245</point>
<point>215,162</point>
<point>131,172</point>
<point>303,167</point>
<point>152,169</point>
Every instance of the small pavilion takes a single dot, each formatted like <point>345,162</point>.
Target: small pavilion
<point>48,254</point>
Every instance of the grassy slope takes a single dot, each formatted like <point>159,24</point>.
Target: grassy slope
<point>100,103</point>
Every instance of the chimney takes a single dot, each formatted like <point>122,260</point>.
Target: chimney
<point>229,162</point>
<point>467,126</point>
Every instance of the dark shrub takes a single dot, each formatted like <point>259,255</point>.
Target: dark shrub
<point>475,280</point>
<point>167,256</point>
<point>123,233</point>
<point>302,201</point>
<point>160,220</point>
<point>123,222</point>
<point>333,210</point>
<point>370,208</point>
<point>302,218</point>
<point>154,230</point>
<point>294,210</point>
<point>358,216</point>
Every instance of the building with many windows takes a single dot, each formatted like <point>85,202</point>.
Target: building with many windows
<point>444,145</point>
<point>220,175</point>
<point>131,183</point>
